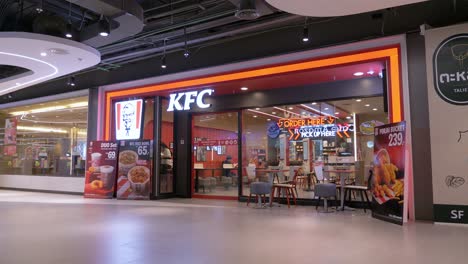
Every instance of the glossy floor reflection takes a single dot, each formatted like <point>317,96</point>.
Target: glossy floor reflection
<point>49,228</point>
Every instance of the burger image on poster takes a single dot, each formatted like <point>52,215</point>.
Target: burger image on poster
<point>128,116</point>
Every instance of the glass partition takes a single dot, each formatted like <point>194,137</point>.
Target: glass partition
<point>46,139</point>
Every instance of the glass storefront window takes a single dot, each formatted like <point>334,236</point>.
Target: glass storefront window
<point>46,139</point>
<point>312,137</point>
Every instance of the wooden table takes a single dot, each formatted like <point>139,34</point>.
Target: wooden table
<point>342,183</point>
<point>274,172</point>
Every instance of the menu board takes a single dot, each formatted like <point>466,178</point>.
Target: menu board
<point>134,173</point>
<point>388,182</point>
<point>101,165</point>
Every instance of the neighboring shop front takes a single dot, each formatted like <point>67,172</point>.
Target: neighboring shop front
<point>44,143</point>
<point>307,110</point>
<point>446,60</point>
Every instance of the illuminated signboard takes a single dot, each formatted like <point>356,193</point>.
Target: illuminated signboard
<point>128,117</point>
<point>323,126</point>
<point>177,103</point>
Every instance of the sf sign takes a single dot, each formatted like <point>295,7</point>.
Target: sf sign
<point>185,100</point>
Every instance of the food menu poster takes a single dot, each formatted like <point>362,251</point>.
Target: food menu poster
<point>101,166</point>
<point>9,141</point>
<point>134,170</point>
<point>388,182</point>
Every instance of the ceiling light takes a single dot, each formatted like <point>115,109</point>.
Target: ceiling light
<point>244,88</point>
<point>305,34</point>
<point>68,32</point>
<point>326,108</point>
<point>358,100</point>
<point>79,104</point>
<point>371,72</point>
<point>303,113</point>
<point>186,53</point>
<point>10,96</point>
<point>367,105</point>
<point>104,26</point>
<point>255,116</point>
<point>71,81</point>
<point>358,74</point>
<point>247,10</point>
<point>290,108</point>
<point>375,109</point>
<point>337,113</point>
<point>40,7</point>
<point>348,117</point>
<point>257,108</point>
<point>314,103</point>
<point>42,129</point>
<point>268,119</point>
<point>273,113</point>
<point>163,62</point>
<point>43,54</point>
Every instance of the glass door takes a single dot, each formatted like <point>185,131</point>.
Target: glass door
<point>215,155</point>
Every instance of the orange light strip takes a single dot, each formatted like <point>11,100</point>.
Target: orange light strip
<point>384,53</point>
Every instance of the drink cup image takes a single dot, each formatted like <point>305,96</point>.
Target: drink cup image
<point>96,159</point>
<point>107,176</point>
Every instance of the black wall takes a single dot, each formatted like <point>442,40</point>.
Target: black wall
<point>421,143</point>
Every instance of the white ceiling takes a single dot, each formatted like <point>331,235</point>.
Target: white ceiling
<point>24,50</point>
<point>330,8</point>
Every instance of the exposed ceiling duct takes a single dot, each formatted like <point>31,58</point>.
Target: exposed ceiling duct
<point>126,18</point>
<point>251,9</point>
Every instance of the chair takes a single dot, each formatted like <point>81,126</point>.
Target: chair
<point>362,189</point>
<point>325,191</point>
<point>260,190</point>
<point>207,182</point>
<point>288,188</point>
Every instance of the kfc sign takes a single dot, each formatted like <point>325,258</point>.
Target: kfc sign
<point>128,117</point>
<point>184,101</point>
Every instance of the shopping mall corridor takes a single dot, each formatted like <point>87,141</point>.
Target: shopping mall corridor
<point>51,228</point>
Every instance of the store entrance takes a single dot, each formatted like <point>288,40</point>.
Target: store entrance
<point>215,156</point>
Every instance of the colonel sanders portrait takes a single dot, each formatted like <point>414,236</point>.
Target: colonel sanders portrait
<point>128,116</point>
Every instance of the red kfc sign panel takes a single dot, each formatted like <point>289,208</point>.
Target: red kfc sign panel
<point>128,115</point>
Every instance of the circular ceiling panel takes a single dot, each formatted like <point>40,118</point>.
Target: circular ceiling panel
<point>331,8</point>
<point>43,57</point>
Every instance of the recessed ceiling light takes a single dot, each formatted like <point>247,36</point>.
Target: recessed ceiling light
<point>244,88</point>
<point>290,108</point>
<point>375,109</point>
<point>273,113</point>
<point>257,108</point>
<point>303,113</point>
<point>43,54</point>
<point>268,119</point>
<point>367,105</point>
<point>326,108</point>
<point>348,117</point>
<point>255,116</point>
<point>371,72</point>
<point>314,103</point>
<point>337,113</point>
<point>358,74</point>
<point>358,100</point>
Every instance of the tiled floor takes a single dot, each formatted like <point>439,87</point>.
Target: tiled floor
<point>61,229</point>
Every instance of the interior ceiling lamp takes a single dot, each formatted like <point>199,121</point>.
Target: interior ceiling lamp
<point>186,51</point>
<point>305,33</point>
<point>104,26</point>
<point>51,109</point>
<point>247,10</point>
<point>71,81</point>
<point>40,7</point>
<point>68,32</point>
<point>163,60</point>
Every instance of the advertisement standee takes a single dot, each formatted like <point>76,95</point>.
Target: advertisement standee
<point>134,173</point>
<point>388,182</point>
<point>101,166</point>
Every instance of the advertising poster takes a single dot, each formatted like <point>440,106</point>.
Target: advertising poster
<point>128,119</point>
<point>388,182</point>
<point>447,82</point>
<point>11,125</point>
<point>101,164</point>
<point>134,173</point>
